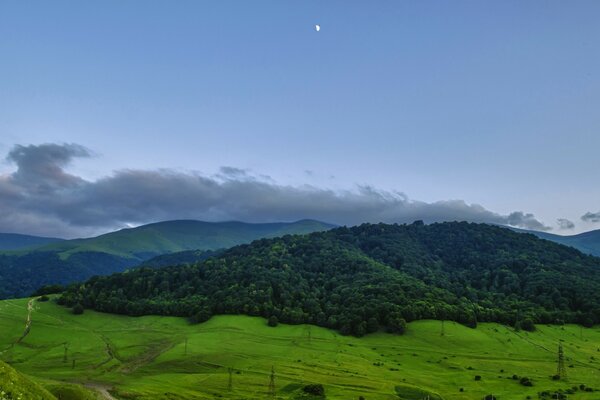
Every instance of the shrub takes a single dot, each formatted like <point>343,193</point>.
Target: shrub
<point>273,321</point>
<point>525,381</point>
<point>477,377</point>
<point>43,298</point>
<point>314,389</point>
<point>77,309</point>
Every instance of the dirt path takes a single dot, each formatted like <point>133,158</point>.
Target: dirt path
<point>28,321</point>
<point>101,389</point>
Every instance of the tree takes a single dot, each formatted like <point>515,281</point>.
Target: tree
<point>78,309</point>
<point>273,321</point>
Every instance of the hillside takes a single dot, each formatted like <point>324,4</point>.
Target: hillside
<point>587,242</point>
<point>14,386</point>
<point>23,272</point>
<point>166,358</point>
<point>158,238</point>
<point>360,279</point>
<point>15,241</point>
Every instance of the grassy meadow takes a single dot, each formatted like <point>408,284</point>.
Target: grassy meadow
<point>232,357</point>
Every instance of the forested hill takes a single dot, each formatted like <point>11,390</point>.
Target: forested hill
<point>24,271</point>
<point>359,279</point>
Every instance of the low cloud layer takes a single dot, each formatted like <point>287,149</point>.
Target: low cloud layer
<point>40,197</point>
<point>591,217</point>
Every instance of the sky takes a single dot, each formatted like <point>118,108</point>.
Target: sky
<point>119,113</point>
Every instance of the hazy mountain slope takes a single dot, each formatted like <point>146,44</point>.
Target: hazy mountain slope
<point>357,279</point>
<point>15,241</point>
<point>149,240</point>
<point>23,272</point>
<point>587,242</point>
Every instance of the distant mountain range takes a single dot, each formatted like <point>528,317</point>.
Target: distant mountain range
<point>587,242</point>
<point>15,241</point>
<point>23,270</point>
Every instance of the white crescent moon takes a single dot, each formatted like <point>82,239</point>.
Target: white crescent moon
<point>317,28</point>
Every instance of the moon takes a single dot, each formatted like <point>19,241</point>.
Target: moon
<point>317,27</point>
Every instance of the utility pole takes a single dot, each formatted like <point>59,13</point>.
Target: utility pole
<point>560,369</point>
<point>66,345</point>
<point>272,383</point>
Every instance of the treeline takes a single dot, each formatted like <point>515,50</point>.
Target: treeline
<point>362,279</point>
<point>23,274</point>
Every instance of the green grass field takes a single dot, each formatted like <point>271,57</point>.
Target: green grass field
<point>167,358</point>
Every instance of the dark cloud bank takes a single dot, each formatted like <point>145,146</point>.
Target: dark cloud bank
<point>40,197</point>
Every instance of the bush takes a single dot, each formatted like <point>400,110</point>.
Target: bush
<point>43,298</point>
<point>314,389</point>
<point>528,325</point>
<point>273,321</point>
<point>77,309</point>
<point>525,381</point>
<point>477,377</point>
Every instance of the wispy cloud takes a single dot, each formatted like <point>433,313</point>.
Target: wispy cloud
<point>565,224</point>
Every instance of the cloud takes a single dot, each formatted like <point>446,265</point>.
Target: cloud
<point>40,197</point>
<point>591,217</point>
<point>564,223</point>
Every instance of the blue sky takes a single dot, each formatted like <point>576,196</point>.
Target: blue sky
<point>492,103</point>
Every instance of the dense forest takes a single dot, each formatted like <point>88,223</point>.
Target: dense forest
<point>171,242</point>
<point>361,279</point>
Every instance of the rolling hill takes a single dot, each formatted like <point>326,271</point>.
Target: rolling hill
<point>23,271</point>
<point>15,241</point>
<point>361,279</point>
<point>587,242</point>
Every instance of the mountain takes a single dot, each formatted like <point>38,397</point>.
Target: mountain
<point>359,279</point>
<point>22,272</point>
<point>15,241</point>
<point>150,240</point>
<point>587,242</point>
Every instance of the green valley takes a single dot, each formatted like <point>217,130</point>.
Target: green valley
<point>231,357</point>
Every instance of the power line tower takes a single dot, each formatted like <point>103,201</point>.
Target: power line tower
<point>272,383</point>
<point>561,370</point>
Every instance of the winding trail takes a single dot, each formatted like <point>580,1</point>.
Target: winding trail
<point>101,389</point>
<point>28,321</point>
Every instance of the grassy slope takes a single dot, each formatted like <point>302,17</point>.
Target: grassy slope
<point>145,357</point>
<point>172,236</point>
<point>14,385</point>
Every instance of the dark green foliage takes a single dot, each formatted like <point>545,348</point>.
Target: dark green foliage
<point>358,279</point>
<point>314,389</point>
<point>43,298</point>
<point>180,258</point>
<point>477,377</point>
<point>77,309</point>
<point>21,275</point>
<point>273,321</point>
<point>49,289</point>
<point>527,325</point>
<point>525,381</point>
